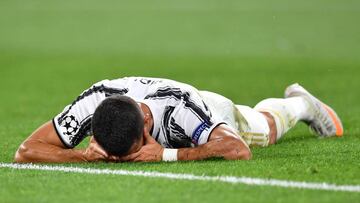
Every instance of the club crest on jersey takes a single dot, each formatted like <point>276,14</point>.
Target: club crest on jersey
<point>70,126</point>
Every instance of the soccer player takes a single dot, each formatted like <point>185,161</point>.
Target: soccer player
<point>151,119</point>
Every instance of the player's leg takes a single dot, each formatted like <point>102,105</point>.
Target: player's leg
<point>256,128</point>
<point>272,118</point>
<point>300,105</point>
<point>251,125</point>
<point>272,126</point>
<point>283,114</point>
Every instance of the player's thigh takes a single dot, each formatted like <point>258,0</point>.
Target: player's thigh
<point>255,129</point>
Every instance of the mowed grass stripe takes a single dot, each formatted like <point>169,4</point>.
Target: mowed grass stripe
<point>191,177</point>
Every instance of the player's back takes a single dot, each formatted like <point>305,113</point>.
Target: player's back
<point>140,87</point>
<point>74,123</point>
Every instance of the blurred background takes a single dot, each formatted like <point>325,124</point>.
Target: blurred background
<point>50,51</point>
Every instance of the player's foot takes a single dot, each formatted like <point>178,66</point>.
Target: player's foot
<point>323,119</point>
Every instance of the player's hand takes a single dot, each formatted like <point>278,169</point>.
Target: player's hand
<point>150,152</point>
<point>94,152</point>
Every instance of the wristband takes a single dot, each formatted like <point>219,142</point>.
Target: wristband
<point>169,155</point>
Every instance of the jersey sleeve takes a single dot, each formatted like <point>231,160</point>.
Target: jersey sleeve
<point>195,118</point>
<point>73,124</point>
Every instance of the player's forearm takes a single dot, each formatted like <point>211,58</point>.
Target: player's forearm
<point>32,152</point>
<point>227,148</point>
<point>200,153</point>
<point>192,154</point>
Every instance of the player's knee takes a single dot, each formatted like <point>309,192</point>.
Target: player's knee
<point>272,127</point>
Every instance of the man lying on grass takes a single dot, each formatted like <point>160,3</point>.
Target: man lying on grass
<point>151,119</point>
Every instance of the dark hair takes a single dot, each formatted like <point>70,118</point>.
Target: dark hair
<point>117,124</point>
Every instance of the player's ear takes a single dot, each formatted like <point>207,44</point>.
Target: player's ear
<point>147,118</point>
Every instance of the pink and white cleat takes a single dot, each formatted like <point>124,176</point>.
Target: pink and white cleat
<point>323,119</point>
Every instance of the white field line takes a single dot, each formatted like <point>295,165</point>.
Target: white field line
<point>191,177</point>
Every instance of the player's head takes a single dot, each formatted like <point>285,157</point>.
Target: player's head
<point>118,124</point>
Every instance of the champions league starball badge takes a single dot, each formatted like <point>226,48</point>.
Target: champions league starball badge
<point>70,125</point>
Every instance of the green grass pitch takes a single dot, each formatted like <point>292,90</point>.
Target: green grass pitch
<point>247,50</point>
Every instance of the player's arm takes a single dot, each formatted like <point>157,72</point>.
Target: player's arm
<point>223,142</point>
<point>44,145</point>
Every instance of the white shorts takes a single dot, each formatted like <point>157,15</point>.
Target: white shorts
<point>250,124</point>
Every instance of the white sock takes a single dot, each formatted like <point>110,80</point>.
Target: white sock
<point>286,112</point>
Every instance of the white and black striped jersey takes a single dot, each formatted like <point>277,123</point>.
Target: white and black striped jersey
<point>181,117</point>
